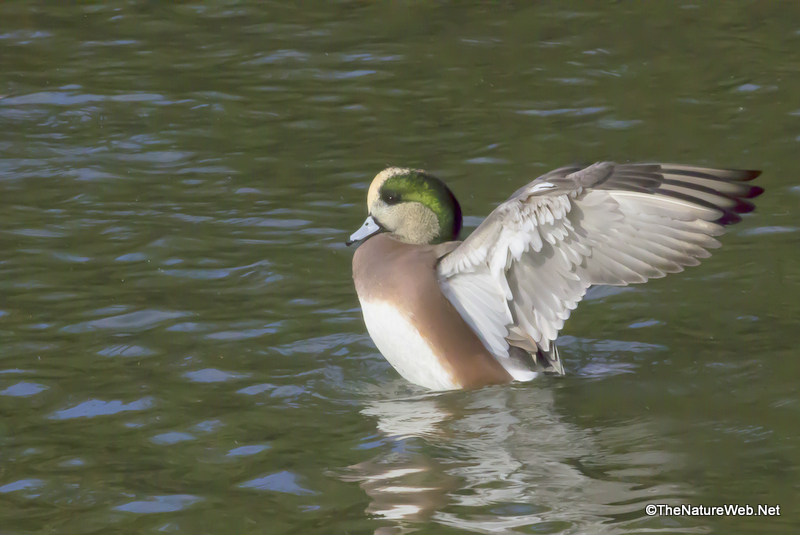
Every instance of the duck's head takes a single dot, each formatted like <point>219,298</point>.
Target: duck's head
<point>412,206</point>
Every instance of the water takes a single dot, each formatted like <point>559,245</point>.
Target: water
<point>181,348</point>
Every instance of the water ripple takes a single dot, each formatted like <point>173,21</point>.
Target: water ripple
<point>285,482</point>
<point>22,484</point>
<point>23,389</point>
<point>133,321</point>
<point>97,407</point>
<point>160,504</point>
<point>213,375</point>
<point>247,450</point>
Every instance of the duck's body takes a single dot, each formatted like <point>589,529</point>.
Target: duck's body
<point>411,321</point>
<point>450,315</point>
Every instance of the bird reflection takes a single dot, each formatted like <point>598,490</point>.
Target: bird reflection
<point>496,459</point>
<point>404,486</point>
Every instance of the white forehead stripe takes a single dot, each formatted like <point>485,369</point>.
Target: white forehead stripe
<point>380,178</point>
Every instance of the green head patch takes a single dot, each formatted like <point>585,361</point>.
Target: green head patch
<point>419,186</point>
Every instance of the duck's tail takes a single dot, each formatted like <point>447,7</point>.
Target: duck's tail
<point>549,360</point>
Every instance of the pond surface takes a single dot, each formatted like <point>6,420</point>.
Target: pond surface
<point>181,347</point>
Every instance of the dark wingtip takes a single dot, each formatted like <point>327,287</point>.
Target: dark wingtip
<point>743,206</point>
<point>729,218</point>
<point>754,192</point>
<point>749,174</point>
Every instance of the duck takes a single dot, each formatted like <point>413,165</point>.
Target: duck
<point>449,314</point>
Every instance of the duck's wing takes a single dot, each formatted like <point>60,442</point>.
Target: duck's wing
<point>519,275</point>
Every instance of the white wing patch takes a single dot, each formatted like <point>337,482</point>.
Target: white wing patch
<point>477,298</point>
<point>542,186</point>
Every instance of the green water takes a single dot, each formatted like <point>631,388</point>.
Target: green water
<point>181,348</point>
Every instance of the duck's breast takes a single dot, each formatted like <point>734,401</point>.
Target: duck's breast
<point>401,343</point>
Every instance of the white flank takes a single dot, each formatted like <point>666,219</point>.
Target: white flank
<point>405,349</point>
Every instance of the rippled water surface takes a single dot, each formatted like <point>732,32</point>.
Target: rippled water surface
<point>181,347</point>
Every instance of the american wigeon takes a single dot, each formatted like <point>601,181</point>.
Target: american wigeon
<point>449,314</point>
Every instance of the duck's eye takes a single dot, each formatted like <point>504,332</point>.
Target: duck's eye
<point>392,198</point>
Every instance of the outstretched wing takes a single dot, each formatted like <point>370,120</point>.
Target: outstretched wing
<point>519,275</point>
